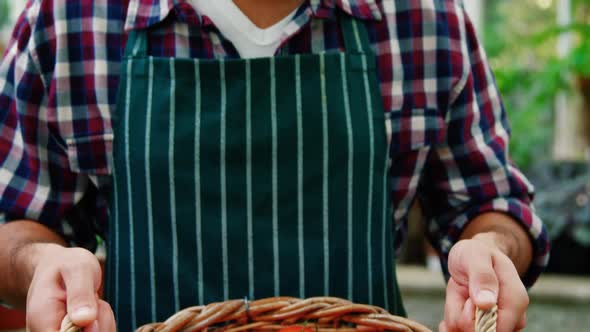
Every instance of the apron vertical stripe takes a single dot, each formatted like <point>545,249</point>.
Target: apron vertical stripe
<point>371,175</point>
<point>275,208</point>
<point>117,241</point>
<point>210,198</point>
<point>384,231</point>
<point>324,101</point>
<point>136,47</point>
<point>387,220</point>
<point>300,235</point>
<point>249,207</point>
<point>370,111</point>
<point>262,223</point>
<point>130,196</point>
<point>357,37</point>
<point>198,204</point>
<point>350,175</point>
<point>236,181</point>
<point>223,180</point>
<point>172,184</point>
<point>150,218</point>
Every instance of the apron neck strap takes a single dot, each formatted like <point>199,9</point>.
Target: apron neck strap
<point>137,44</point>
<point>355,35</point>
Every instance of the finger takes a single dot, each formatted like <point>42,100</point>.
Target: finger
<point>483,283</point>
<point>513,297</point>
<point>81,278</point>
<point>522,323</point>
<point>92,327</point>
<point>106,318</point>
<point>467,323</point>
<point>40,319</point>
<point>45,304</point>
<point>442,327</point>
<point>456,297</point>
<point>471,265</point>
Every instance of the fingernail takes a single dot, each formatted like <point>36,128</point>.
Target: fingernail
<point>486,296</point>
<point>81,314</point>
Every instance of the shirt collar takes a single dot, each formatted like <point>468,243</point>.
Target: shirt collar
<point>142,14</point>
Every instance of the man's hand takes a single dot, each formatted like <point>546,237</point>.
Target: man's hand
<point>40,275</point>
<point>482,275</point>
<point>65,281</point>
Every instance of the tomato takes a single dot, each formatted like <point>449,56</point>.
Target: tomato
<point>296,328</point>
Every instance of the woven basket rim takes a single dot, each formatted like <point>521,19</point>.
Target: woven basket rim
<point>318,314</point>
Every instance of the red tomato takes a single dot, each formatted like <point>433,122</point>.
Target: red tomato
<point>296,328</point>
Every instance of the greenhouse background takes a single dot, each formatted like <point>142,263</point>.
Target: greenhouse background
<point>540,54</point>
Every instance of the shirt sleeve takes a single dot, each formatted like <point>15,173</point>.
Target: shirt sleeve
<point>470,173</point>
<point>35,180</point>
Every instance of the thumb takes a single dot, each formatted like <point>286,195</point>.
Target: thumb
<point>81,284</point>
<point>483,282</point>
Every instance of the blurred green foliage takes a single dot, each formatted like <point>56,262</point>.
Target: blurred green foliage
<point>521,41</point>
<point>4,13</point>
<point>4,20</point>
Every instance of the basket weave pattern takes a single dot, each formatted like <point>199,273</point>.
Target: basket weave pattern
<point>323,314</point>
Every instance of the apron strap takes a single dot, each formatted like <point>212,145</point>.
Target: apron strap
<point>355,34</point>
<point>356,38</point>
<point>137,44</point>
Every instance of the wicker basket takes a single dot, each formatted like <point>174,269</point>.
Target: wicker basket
<point>319,314</point>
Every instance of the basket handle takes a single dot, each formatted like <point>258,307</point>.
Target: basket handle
<point>68,326</point>
<point>485,320</point>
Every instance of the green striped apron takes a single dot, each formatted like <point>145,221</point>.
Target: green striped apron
<point>249,178</point>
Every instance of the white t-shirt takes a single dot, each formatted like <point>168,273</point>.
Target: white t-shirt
<point>249,40</point>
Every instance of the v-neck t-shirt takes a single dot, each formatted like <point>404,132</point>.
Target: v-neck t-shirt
<point>249,40</point>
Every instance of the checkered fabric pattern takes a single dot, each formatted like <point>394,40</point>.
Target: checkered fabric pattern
<point>445,119</point>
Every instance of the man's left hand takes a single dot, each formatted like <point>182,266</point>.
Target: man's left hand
<point>483,276</point>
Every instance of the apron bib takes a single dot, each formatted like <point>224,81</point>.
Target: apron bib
<point>249,178</point>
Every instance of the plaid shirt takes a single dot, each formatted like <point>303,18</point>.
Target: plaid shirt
<point>449,132</point>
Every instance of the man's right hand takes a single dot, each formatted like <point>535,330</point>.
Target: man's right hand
<point>65,281</point>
